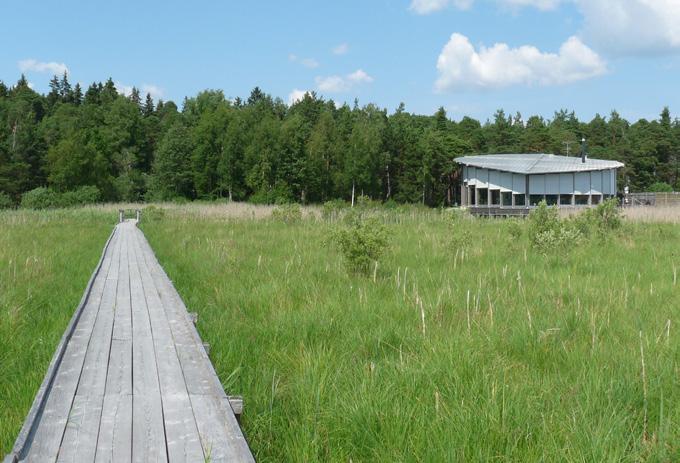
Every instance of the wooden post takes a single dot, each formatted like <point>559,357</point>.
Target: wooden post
<point>139,213</point>
<point>121,215</point>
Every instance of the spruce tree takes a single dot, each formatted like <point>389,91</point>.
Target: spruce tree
<point>77,94</point>
<point>148,106</point>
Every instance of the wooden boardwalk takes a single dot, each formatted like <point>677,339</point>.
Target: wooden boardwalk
<point>131,380</point>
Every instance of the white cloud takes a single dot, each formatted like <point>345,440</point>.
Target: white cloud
<point>296,95</point>
<point>39,66</point>
<point>339,84</point>
<point>461,66</point>
<point>153,90</point>
<point>306,62</point>
<point>619,27</point>
<point>359,76</point>
<point>341,49</point>
<point>543,5</point>
<point>430,6</point>
<point>631,27</point>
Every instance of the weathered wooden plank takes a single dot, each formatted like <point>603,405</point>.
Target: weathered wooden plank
<point>80,438</point>
<point>221,435</point>
<point>114,443</point>
<point>148,431</point>
<point>122,326</point>
<point>182,437</point>
<point>49,433</point>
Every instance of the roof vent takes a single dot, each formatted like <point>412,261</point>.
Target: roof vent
<point>584,150</point>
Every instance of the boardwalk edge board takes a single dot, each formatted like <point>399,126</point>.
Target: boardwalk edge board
<point>38,406</point>
<point>143,301</point>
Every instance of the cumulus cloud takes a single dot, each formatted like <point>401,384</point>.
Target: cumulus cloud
<point>339,84</point>
<point>155,91</point>
<point>460,65</point>
<point>306,62</point>
<point>632,27</point>
<point>39,66</point>
<point>341,49</point>
<point>618,27</point>
<point>296,95</point>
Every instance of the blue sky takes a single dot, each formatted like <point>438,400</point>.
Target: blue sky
<point>469,56</point>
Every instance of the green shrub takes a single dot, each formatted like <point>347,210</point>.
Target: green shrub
<point>333,209</point>
<point>362,243</point>
<point>288,213</point>
<point>81,196</point>
<point>5,201</point>
<point>460,237</point>
<point>40,198</point>
<point>660,187</point>
<point>515,229</point>
<point>550,235</point>
<point>603,219</point>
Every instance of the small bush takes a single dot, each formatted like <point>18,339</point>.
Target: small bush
<point>40,198</point>
<point>660,187</point>
<point>5,201</point>
<point>460,237</point>
<point>550,235</point>
<point>288,213</point>
<point>361,243</point>
<point>603,219</point>
<point>334,208</point>
<point>515,230</point>
<point>80,197</point>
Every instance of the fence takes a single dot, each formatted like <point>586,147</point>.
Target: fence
<point>653,199</point>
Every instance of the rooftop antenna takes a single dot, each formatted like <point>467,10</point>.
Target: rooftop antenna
<point>568,145</point>
<point>584,150</point>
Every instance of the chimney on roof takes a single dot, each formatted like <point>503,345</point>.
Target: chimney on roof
<point>584,150</point>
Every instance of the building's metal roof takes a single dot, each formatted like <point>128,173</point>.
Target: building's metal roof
<point>535,163</point>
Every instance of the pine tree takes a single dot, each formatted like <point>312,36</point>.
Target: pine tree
<point>135,97</point>
<point>55,92</point>
<point>148,106</point>
<point>77,95</point>
<point>93,94</point>
<point>66,91</point>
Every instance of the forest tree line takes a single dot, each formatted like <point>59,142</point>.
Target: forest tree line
<point>260,149</point>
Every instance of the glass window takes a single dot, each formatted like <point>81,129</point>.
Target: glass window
<point>581,200</point>
<point>495,197</point>
<point>596,199</point>
<point>520,200</point>
<point>565,200</point>
<point>506,198</point>
<point>472,196</point>
<point>551,200</point>
<point>483,196</point>
<point>535,199</point>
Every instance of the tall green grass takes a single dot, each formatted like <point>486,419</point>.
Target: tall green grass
<point>46,259</point>
<point>496,353</point>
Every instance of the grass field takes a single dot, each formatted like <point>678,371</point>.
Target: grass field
<point>46,259</point>
<point>503,354</point>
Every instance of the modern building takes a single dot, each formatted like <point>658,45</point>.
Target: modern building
<point>520,181</point>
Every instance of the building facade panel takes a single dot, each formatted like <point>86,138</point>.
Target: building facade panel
<point>581,183</point>
<point>596,182</point>
<point>552,184</point>
<point>537,184</point>
<point>567,183</point>
<point>519,183</point>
